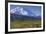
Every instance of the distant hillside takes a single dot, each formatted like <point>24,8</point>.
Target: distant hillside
<point>27,13</point>
<point>15,16</point>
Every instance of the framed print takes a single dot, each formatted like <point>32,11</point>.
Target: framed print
<point>25,16</point>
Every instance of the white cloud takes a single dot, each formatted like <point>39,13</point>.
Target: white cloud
<point>36,13</point>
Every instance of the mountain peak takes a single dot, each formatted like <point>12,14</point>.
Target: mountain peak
<point>19,10</point>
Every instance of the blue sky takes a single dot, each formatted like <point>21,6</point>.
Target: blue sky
<point>32,10</point>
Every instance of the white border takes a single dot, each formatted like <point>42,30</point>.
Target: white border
<point>24,29</point>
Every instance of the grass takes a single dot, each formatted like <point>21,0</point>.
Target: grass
<point>25,24</point>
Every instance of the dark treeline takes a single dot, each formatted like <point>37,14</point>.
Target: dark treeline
<point>21,17</point>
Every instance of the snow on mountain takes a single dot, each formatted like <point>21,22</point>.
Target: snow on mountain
<point>19,10</point>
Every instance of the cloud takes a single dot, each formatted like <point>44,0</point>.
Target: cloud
<point>35,13</point>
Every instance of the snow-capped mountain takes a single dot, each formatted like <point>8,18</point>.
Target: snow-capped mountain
<point>21,11</point>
